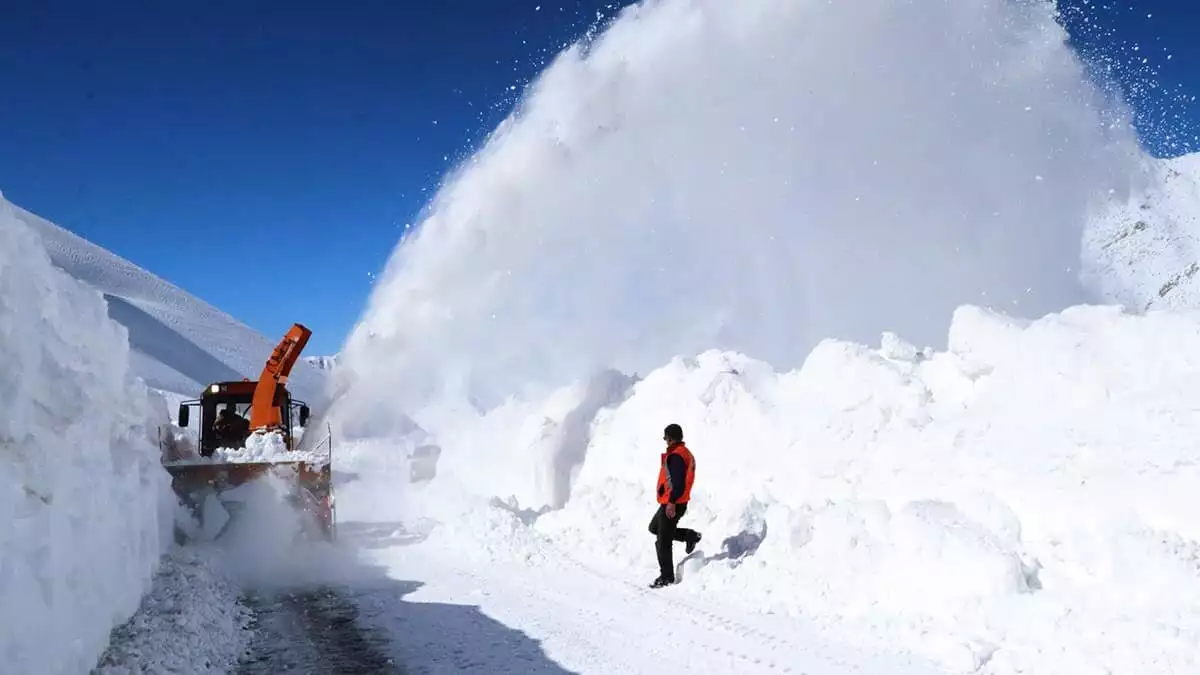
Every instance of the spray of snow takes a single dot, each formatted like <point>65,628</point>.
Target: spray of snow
<point>84,501</point>
<point>1145,251</point>
<point>261,526</point>
<point>755,175</point>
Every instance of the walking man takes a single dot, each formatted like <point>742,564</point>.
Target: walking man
<point>675,475</point>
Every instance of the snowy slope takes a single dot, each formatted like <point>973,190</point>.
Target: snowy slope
<point>83,498</point>
<point>1145,251</point>
<point>179,343</point>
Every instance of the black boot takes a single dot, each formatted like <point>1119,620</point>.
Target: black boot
<point>691,544</point>
<point>661,581</point>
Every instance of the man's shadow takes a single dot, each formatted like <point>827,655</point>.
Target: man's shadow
<point>735,548</point>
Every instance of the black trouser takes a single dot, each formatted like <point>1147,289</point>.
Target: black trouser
<point>666,534</point>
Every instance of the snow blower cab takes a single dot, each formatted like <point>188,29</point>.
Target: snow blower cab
<point>249,430</point>
<point>226,410</point>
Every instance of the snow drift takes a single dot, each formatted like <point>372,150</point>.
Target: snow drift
<point>179,343</point>
<point>756,176</point>
<point>84,499</point>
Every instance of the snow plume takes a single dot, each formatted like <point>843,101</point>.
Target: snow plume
<point>1145,251</point>
<point>264,534</point>
<point>82,495</point>
<point>753,175</point>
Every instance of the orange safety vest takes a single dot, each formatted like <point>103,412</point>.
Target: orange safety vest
<point>664,477</point>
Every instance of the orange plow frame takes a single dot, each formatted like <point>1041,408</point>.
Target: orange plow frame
<point>312,486</point>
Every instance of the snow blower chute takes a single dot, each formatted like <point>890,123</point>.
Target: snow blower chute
<point>248,430</point>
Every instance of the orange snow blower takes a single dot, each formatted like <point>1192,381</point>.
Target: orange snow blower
<point>233,451</point>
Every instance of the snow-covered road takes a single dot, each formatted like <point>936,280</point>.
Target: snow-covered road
<point>391,600</point>
<point>458,615</point>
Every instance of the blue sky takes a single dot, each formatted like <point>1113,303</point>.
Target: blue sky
<point>237,147</point>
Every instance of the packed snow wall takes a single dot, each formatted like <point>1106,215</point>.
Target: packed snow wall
<point>755,175</point>
<point>85,502</point>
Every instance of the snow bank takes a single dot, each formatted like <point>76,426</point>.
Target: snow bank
<point>82,494</point>
<point>754,176</point>
<point>1025,499</point>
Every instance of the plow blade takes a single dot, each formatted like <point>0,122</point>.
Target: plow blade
<point>308,490</point>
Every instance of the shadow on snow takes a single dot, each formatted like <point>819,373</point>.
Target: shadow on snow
<point>428,636</point>
<point>318,609</point>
